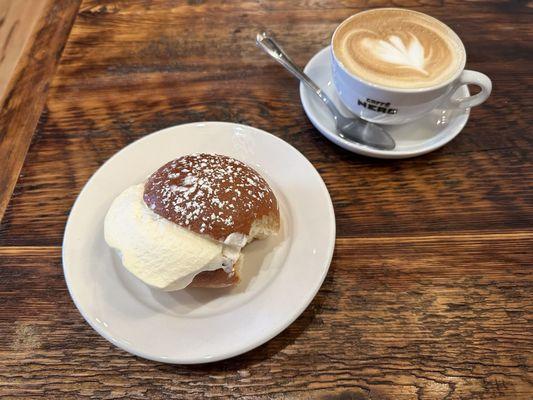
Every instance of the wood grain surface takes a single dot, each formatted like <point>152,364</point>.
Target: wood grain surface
<point>17,24</point>
<point>429,295</point>
<point>30,51</point>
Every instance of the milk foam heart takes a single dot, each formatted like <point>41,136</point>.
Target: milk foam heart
<point>394,51</point>
<point>398,48</point>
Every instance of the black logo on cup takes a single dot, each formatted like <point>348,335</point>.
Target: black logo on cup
<point>377,106</point>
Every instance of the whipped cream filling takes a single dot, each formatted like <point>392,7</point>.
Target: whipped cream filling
<point>159,252</point>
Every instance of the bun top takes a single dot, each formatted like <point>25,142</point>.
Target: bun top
<point>210,194</point>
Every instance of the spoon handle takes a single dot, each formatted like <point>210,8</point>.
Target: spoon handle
<point>273,49</point>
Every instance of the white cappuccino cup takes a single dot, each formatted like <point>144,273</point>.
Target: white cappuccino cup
<point>391,66</point>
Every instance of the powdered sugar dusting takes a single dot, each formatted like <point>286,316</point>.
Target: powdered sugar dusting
<point>210,194</point>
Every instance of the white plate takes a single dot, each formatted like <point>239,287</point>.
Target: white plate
<point>419,137</point>
<point>281,275</point>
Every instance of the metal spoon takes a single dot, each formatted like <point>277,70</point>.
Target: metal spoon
<point>352,129</point>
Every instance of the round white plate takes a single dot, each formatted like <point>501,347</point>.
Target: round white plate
<point>419,137</point>
<point>280,275</point>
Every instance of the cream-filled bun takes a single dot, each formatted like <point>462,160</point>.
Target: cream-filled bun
<point>187,224</point>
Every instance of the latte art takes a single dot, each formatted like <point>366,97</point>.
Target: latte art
<point>398,48</point>
<point>394,51</point>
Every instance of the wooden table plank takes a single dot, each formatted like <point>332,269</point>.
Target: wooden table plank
<point>399,318</point>
<point>488,191</point>
<point>17,22</point>
<point>26,94</point>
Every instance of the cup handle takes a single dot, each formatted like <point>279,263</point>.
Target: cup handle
<point>468,77</point>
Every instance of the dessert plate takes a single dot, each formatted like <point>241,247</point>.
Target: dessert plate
<point>280,275</point>
<point>426,134</point>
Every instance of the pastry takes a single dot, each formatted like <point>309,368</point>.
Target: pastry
<point>188,223</point>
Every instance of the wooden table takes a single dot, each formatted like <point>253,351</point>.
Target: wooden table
<point>430,293</point>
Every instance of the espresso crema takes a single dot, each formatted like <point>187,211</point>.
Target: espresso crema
<point>398,48</point>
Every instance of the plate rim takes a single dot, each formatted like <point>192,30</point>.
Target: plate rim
<point>222,356</point>
<point>360,148</point>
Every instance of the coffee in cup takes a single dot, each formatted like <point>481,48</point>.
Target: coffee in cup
<point>393,65</point>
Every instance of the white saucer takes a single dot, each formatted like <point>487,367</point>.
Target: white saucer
<point>280,275</point>
<point>412,139</point>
